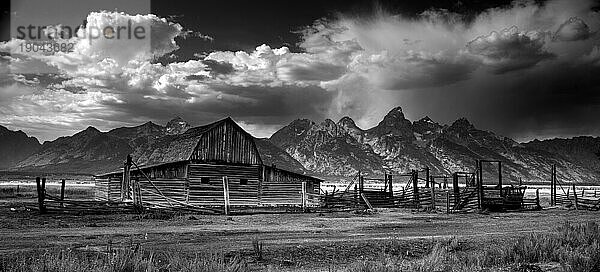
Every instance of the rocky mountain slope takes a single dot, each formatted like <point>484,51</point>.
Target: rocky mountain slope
<point>326,148</point>
<point>397,145</point>
<point>15,146</point>
<point>584,150</point>
<point>93,151</point>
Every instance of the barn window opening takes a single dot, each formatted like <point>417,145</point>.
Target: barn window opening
<point>205,180</point>
<point>243,181</point>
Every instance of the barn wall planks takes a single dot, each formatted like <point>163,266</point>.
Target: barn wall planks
<point>249,185</point>
<point>174,188</point>
<point>227,143</point>
<point>107,189</point>
<point>280,187</point>
<point>101,189</point>
<point>211,193</point>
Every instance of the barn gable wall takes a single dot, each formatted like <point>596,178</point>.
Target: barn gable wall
<point>226,143</point>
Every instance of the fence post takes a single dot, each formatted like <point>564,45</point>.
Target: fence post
<point>304,196</point>
<point>136,194</point>
<point>126,182</point>
<point>44,188</point>
<point>480,184</point>
<point>448,202</point>
<point>415,181</point>
<point>44,193</point>
<point>62,192</point>
<point>40,192</point>
<point>455,188</point>
<point>360,183</point>
<point>426,176</point>
<point>575,197</point>
<point>552,187</point>
<point>537,198</point>
<point>226,194</point>
<point>391,185</point>
<point>355,195</point>
<point>432,194</point>
<point>500,177</point>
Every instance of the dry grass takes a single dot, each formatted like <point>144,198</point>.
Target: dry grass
<point>122,260</point>
<point>576,247</point>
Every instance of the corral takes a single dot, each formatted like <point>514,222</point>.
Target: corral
<point>468,191</point>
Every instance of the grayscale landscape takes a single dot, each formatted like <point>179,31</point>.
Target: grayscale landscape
<point>360,136</point>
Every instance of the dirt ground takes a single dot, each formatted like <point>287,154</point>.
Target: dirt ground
<point>298,240</point>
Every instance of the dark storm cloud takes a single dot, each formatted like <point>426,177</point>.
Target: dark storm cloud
<point>561,99</point>
<point>254,104</point>
<point>218,67</point>
<point>196,77</point>
<point>288,101</point>
<point>48,79</point>
<point>573,29</point>
<point>314,71</point>
<point>417,72</point>
<point>510,50</point>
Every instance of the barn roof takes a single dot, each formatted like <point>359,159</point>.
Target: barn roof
<point>175,148</point>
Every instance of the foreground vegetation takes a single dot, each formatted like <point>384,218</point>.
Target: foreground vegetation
<point>572,247</point>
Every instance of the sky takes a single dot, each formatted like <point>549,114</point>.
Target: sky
<point>522,69</point>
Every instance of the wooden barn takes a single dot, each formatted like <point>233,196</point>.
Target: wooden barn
<point>198,166</point>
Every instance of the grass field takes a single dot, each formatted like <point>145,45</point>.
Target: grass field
<point>387,240</point>
<point>25,191</point>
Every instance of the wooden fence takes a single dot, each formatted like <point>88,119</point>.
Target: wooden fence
<point>565,195</point>
<point>461,200</point>
<point>579,199</point>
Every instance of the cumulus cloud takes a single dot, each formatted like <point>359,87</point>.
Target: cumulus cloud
<point>573,29</point>
<point>510,50</point>
<point>118,81</point>
<point>156,37</point>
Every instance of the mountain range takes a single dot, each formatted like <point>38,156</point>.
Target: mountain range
<point>330,149</point>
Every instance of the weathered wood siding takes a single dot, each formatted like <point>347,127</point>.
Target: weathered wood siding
<point>212,193</point>
<point>174,188</point>
<point>107,188</point>
<point>280,187</point>
<point>226,143</point>
<point>264,185</point>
